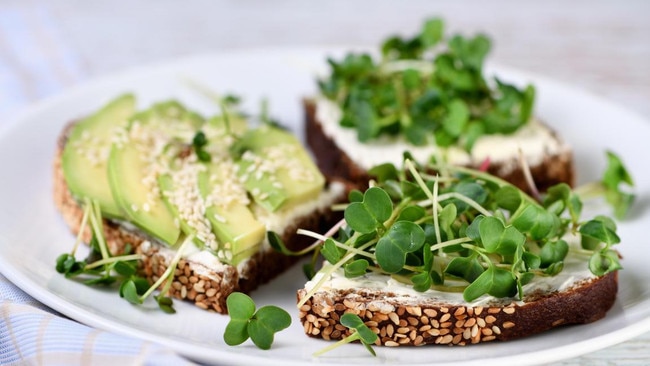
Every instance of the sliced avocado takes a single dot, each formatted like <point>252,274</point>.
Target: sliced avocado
<point>232,222</point>
<point>277,171</point>
<point>84,159</point>
<point>133,172</point>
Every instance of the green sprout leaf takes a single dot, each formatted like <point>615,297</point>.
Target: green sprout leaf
<point>553,252</point>
<point>536,221</point>
<point>260,326</point>
<point>468,268</point>
<point>600,230</point>
<point>494,281</point>
<point>402,238</point>
<point>267,321</point>
<point>366,216</point>
<point>616,175</point>
<point>356,268</point>
<point>603,262</point>
<point>497,238</point>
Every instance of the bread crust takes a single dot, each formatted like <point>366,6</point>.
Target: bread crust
<point>206,288</point>
<point>402,322</point>
<point>334,162</point>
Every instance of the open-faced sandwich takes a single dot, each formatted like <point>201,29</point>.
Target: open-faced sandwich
<point>185,200</point>
<point>429,95</point>
<point>461,257</point>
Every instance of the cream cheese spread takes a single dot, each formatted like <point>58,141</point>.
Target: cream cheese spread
<point>575,272</point>
<point>534,139</point>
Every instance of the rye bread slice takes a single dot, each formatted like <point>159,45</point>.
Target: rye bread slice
<point>404,321</point>
<point>206,287</point>
<point>554,168</point>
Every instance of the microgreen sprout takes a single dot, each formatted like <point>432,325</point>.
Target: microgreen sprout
<point>199,142</point>
<point>429,88</point>
<point>360,332</point>
<point>102,268</point>
<point>464,230</point>
<point>245,322</point>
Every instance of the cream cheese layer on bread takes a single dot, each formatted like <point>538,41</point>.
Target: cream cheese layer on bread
<point>574,274</point>
<point>534,140</point>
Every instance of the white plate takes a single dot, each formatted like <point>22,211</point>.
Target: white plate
<point>32,234</point>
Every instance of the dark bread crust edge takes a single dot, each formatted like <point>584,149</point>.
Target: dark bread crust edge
<point>191,281</point>
<point>401,323</point>
<point>334,162</point>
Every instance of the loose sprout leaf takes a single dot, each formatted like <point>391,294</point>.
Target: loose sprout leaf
<point>615,175</point>
<point>553,252</point>
<point>240,306</point>
<point>267,321</point>
<point>165,303</point>
<point>236,332</point>
<point>129,291</point>
<point>371,213</point>
<point>402,238</point>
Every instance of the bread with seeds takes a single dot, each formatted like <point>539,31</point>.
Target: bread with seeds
<point>460,258</point>
<point>339,153</point>
<point>192,195</point>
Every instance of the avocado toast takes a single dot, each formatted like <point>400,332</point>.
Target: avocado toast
<point>191,197</point>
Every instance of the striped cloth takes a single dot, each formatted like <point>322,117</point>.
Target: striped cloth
<point>35,62</point>
<point>32,334</point>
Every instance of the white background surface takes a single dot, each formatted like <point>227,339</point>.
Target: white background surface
<point>601,46</point>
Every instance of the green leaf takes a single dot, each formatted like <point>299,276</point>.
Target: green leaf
<point>236,332</point>
<point>468,268</point>
<point>616,175</point>
<point>603,262</point>
<point>165,303</point>
<point>267,321</point>
<point>497,238</point>
<point>353,321</point>
<point>402,238</point>
<point>240,306</point>
<point>553,252</point>
<point>508,197</point>
<point>536,221</point>
<point>124,268</point>
<point>469,189</point>
<point>411,213</point>
<point>432,32</point>
<point>366,216</point>
<point>330,251</point>
<point>457,117</point>
<point>130,293</point>
<point>356,268</point>
<point>494,281</point>
<point>600,231</point>
<point>382,172</point>
<point>421,281</point>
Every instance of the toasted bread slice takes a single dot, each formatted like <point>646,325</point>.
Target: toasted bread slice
<point>414,320</point>
<point>200,279</point>
<point>339,154</point>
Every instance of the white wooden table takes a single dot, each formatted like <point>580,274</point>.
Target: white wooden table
<point>601,46</point>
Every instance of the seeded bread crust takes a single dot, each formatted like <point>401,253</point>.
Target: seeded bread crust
<point>192,281</point>
<point>400,322</point>
<point>334,162</point>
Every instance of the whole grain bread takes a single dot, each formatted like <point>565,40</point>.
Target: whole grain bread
<point>404,321</point>
<point>334,162</point>
<point>205,287</point>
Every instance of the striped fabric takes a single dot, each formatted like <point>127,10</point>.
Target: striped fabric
<point>35,62</point>
<point>32,334</point>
